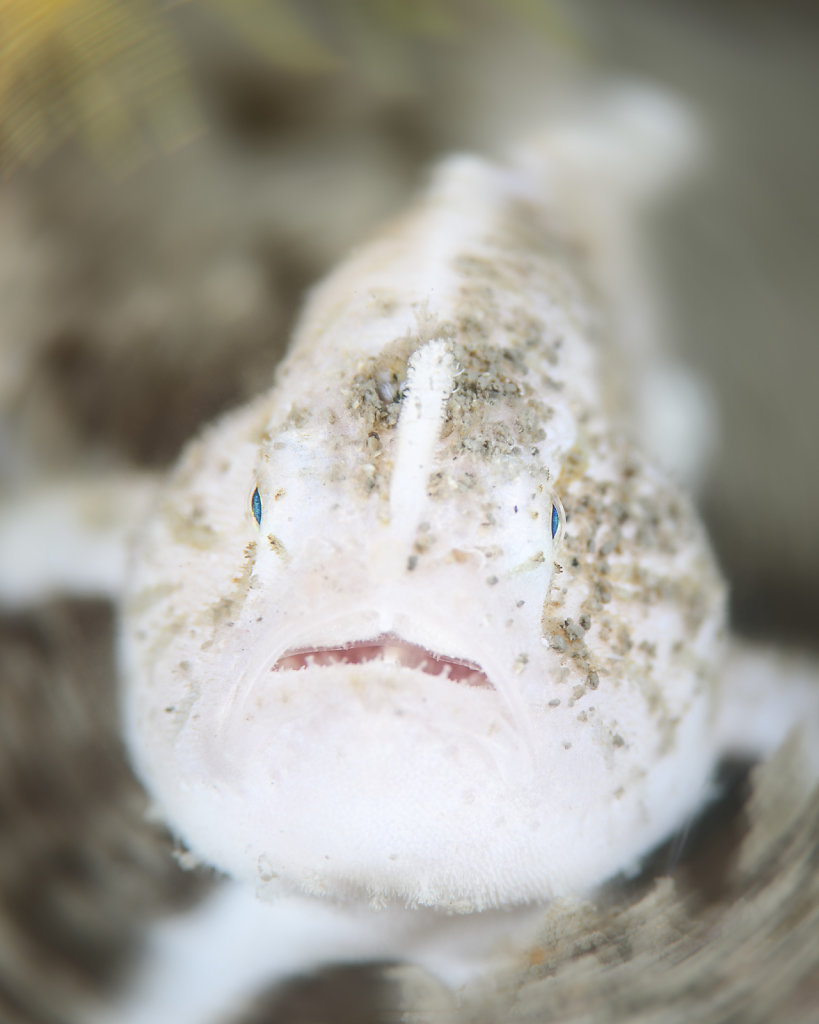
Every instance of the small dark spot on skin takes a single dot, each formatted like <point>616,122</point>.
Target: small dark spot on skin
<point>412,562</point>
<point>593,681</point>
<point>519,604</point>
<point>275,544</point>
<point>567,745</point>
<point>575,563</point>
<point>170,710</point>
<point>555,702</point>
<point>619,511</point>
<point>573,630</point>
<point>618,740</point>
<point>516,508</point>
<point>622,644</point>
<point>492,581</point>
<point>298,417</point>
<point>585,622</point>
<point>521,662</point>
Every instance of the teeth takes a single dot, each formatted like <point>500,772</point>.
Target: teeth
<point>392,654</point>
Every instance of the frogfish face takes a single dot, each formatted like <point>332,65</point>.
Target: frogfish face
<point>419,625</point>
<point>444,681</point>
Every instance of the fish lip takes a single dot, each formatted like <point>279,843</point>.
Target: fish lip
<point>390,648</point>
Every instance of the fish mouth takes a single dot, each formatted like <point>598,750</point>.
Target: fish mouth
<point>391,650</point>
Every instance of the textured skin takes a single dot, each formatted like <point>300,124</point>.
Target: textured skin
<point>446,385</point>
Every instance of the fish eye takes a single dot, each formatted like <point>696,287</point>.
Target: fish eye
<point>256,506</point>
<point>558,518</point>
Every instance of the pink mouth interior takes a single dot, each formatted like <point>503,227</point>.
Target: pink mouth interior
<point>391,650</point>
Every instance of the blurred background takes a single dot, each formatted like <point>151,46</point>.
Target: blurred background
<point>176,175</point>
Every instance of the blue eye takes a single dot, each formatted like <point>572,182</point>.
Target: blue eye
<point>555,521</point>
<point>256,505</point>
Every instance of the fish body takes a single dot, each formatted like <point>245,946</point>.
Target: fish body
<point>421,625</point>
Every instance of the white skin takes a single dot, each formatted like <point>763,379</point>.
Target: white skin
<point>421,631</point>
<point>407,463</point>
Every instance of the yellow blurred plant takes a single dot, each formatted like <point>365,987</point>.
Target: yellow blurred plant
<point>106,70</point>
<point>113,74</point>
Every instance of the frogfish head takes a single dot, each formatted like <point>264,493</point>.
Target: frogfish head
<point>419,625</point>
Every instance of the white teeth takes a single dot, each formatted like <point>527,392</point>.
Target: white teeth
<point>392,654</point>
